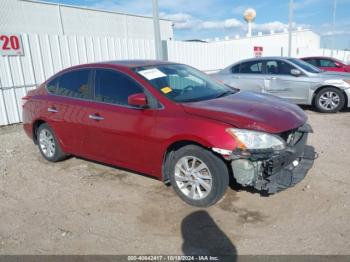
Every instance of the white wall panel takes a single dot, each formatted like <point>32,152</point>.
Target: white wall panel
<point>214,56</point>
<point>19,16</point>
<point>45,55</point>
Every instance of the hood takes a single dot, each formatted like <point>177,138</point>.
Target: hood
<point>250,110</point>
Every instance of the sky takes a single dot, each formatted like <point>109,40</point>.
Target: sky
<point>208,19</point>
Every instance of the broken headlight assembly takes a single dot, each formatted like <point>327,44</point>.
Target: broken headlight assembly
<point>256,141</point>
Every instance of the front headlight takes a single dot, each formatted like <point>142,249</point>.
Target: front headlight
<point>247,139</point>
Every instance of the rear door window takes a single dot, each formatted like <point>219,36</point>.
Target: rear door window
<point>235,69</point>
<point>114,87</point>
<point>312,61</point>
<point>75,84</point>
<point>52,85</point>
<point>254,67</point>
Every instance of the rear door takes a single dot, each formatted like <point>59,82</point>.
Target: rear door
<point>280,82</point>
<point>247,76</point>
<point>118,133</point>
<point>66,108</point>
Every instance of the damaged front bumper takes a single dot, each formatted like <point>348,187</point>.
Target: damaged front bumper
<point>274,171</point>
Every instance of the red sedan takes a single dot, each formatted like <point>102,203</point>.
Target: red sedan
<point>328,63</point>
<point>172,122</point>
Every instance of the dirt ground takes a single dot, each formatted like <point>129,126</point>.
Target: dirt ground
<point>80,207</point>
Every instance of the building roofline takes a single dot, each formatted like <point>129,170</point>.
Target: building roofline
<point>91,9</point>
<point>265,35</point>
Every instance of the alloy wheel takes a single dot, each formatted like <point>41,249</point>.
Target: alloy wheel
<point>329,100</point>
<point>193,177</point>
<point>47,143</point>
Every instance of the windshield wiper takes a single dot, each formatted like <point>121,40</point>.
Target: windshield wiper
<point>228,92</point>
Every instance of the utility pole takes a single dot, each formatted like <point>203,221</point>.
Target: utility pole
<point>157,39</point>
<point>290,28</point>
<point>333,25</point>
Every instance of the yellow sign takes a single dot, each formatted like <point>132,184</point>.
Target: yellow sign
<point>166,90</point>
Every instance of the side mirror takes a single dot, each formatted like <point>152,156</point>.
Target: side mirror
<point>295,72</point>
<point>139,100</point>
<point>338,65</point>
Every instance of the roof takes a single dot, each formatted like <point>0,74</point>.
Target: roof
<point>264,58</point>
<point>121,63</point>
<point>271,57</point>
<point>137,63</point>
<point>90,9</point>
<point>326,57</point>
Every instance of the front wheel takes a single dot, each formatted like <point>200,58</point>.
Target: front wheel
<point>199,177</point>
<point>329,100</point>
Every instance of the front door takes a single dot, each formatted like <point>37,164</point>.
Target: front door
<point>280,82</point>
<point>330,65</point>
<point>118,133</point>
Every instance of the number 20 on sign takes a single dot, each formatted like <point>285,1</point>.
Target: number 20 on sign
<point>10,45</point>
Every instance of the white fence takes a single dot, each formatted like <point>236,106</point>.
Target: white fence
<point>339,54</point>
<point>218,55</point>
<point>215,55</point>
<point>45,55</point>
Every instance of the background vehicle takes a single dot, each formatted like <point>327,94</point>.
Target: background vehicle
<point>172,122</point>
<point>292,79</point>
<point>328,63</point>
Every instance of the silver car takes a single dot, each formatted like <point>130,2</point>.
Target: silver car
<point>290,78</point>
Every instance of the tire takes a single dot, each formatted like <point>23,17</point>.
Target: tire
<point>48,145</point>
<point>209,181</point>
<point>331,95</point>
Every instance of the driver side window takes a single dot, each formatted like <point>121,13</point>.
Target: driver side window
<point>277,67</point>
<point>114,87</point>
<point>327,63</point>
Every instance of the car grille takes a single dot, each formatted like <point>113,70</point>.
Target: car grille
<point>294,139</point>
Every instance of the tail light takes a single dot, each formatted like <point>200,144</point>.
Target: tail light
<point>24,100</point>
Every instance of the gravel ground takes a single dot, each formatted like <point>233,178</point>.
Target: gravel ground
<point>80,207</point>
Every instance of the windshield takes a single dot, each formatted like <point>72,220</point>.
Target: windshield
<point>181,83</point>
<point>304,65</point>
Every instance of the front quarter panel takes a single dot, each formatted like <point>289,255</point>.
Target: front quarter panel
<point>347,92</point>
<point>176,126</point>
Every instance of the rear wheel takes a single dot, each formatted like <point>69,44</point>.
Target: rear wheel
<point>199,177</point>
<point>329,100</point>
<point>48,145</point>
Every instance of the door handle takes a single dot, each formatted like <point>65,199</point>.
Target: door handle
<point>272,78</point>
<point>96,117</point>
<point>236,77</point>
<point>52,110</point>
